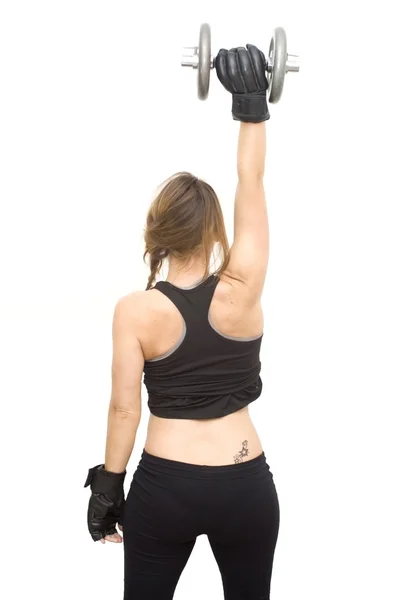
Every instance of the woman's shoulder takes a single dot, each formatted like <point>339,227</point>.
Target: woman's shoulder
<point>129,307</point>
<point>138,306</point>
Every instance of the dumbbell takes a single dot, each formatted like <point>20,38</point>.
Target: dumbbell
<point>279,63</point>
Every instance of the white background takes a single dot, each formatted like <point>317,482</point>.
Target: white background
<point>95,111</point>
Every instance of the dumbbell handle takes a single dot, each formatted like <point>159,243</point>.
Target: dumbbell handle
<point>190,58</point>
<point>292,63</point>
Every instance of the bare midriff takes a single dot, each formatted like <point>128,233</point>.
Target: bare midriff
<point>222,441</point>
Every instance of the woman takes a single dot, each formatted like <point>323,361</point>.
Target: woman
<point>196,337</point>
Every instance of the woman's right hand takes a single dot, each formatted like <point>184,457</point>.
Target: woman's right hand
<point>115,538</point>
<point>106,504</point>
<point>242,71</point>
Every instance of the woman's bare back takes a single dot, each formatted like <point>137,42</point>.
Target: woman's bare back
<point>210,441</point>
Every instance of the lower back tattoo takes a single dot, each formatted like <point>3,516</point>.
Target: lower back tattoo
<point>239,457</point>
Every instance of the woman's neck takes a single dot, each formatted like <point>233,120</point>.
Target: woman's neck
<point>185,275</point>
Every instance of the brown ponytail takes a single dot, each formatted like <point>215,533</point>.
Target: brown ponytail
<point>155,262</point>
<point>185,218</point>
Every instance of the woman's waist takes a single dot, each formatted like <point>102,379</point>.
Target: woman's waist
<point>227,440</point>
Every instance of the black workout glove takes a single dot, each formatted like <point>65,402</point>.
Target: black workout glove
<point>106,504</point>
<point>242,71</point>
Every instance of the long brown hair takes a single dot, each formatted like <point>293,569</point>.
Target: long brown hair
<point>184,219</point>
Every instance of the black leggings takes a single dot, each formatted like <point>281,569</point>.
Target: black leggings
<point>170,503</point>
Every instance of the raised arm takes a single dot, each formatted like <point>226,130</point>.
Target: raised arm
<point>242,72</point>
<point>250,249</point>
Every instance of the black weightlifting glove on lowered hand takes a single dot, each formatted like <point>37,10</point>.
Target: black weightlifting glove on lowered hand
<point>242,71</point>
<point>106,504</point>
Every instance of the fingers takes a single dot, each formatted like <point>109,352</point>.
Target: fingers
<point>115,539</point>
<point>242,70</point>
<point>227,68</point>
<point>111,535</point>
<point>247,71</point>
<point>234,72</point>
<point>110,530</point>
<point>104,513</point>
<point>259,63</point>
<point>221,67</point>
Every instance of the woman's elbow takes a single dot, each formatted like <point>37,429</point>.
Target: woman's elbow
<point>125,412</point>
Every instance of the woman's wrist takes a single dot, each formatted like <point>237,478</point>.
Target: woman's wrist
<point>112,471</point>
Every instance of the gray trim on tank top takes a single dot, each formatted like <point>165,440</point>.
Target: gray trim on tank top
<point>174,348</point>
<point>191,287</point>
<point>227,337</point>
<point>184,333</point>
<point>230,337</point>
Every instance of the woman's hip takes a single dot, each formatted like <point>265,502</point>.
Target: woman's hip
<point>171,499</point>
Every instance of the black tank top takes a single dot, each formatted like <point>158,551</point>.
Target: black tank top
<point>208,375</point>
